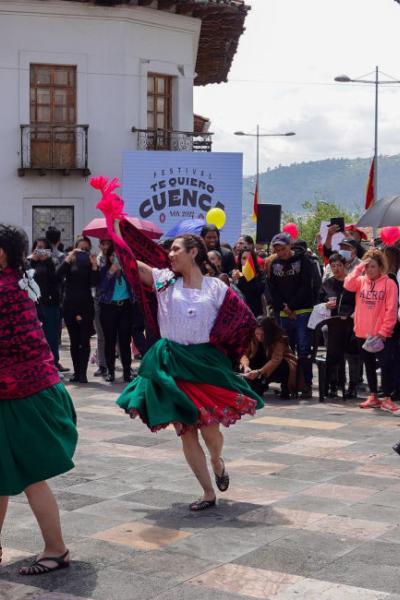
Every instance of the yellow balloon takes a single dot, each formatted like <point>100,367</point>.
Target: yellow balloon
<point>217,217</point>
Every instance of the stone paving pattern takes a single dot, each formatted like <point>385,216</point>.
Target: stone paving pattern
<point>312,512</point>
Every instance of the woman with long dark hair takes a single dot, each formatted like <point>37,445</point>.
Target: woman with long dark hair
<point>80,273</point>
<point>211,237</point>
<point>270,359</point>
<point>254,289</point>
<point>184,378</point>
<point>37,418</point>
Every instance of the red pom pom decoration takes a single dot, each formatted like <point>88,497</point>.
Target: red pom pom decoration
<point>99,183</point>
<point>292,230</point>
<point>390,235</point>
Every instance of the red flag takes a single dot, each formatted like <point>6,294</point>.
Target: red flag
<point>370,191</point>
<point>255,204</point>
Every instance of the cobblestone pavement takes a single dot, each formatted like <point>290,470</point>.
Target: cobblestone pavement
<point>312,512</point>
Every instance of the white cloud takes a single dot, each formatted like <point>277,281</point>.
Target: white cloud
<point>283,75</point>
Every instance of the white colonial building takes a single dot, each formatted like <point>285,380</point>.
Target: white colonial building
<point>84,80</point>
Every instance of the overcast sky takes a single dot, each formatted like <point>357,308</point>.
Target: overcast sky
<point>282,78</point>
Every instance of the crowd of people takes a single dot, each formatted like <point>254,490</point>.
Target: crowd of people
<point>226,322</point>
<point>356,283</point>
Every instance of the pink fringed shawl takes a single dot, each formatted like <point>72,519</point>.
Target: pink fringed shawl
<point>235,323</point>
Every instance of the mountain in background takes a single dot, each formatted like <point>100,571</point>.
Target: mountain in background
<point>342,181</point>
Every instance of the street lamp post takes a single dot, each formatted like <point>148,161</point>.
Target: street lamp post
<point>376,82</point>
<point>258,135</point>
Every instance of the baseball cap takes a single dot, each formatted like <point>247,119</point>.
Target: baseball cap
<point>281,239</point>
<point>348,242</point>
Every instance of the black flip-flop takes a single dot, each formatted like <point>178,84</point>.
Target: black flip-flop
<point>39,568</point>
<point>222,480</point>
<point>202,505</point>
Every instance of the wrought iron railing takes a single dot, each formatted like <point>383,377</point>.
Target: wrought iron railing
<point>46,147</point>
<point>181,141</point>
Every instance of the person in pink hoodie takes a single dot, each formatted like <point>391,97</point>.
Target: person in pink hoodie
<point>375,315</point>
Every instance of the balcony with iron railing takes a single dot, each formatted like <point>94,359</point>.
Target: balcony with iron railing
<point>54,148</point>
<point>180,141</point>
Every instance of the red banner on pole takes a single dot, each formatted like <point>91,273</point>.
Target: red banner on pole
<point>255,204</point>
<point>370,191</point>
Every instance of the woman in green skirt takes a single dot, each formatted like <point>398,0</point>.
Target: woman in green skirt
<point>186,378</point>
<point>37,419</point>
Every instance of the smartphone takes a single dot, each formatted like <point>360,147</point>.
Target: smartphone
<point>82,258</point>
<point>43,252</point>
<point>339,221</point>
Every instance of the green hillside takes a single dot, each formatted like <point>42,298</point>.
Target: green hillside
<point>341,181</point>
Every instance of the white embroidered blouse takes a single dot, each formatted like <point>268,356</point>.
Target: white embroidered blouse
<point>187,315</point>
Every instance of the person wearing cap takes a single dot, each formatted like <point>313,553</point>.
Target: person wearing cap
<point>347,249</point>
<point>291,274</point>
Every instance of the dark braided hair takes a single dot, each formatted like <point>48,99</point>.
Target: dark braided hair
<point>191,241</point>
<point>14,242</point>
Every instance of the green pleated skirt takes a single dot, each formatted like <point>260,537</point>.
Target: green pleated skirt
<point>38,438</point>
<point>187,385</point>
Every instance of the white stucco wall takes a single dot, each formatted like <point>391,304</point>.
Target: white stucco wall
<point>113,49</point>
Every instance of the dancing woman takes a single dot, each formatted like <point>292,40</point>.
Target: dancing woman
<point>186,378</point>
<point>37,418</point>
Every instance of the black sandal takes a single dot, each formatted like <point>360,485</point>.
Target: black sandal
<point>202,505</point>
<point>38,568</point>
<point>222,480</point>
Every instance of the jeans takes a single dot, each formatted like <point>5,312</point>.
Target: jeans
<point>386,360</point>
<point>300,341</point>
<point>50,318</point>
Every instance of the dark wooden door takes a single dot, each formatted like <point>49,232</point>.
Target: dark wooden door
<point>53,116</point>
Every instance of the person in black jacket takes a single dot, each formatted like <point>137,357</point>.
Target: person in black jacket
<point>253,290</point>
<point>292,299</point>
<point>341,303</point>
<point>48,305</point>
<point>80,272</point>
<point>210,235</point>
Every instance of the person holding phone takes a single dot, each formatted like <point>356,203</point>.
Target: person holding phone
<point>48,305</point>
<point>351,232</point>
<point>348,250</point>
<point>80,273</point>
